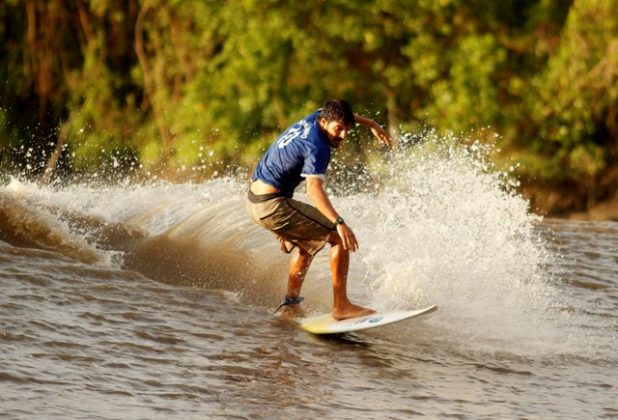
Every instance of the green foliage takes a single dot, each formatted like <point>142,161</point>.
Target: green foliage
<point>100,123</point>
<point>575,108</point>
<point>200,84</point>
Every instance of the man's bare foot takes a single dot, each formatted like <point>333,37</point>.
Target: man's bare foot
<point>351,311</point>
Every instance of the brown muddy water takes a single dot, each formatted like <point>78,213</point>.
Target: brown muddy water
<point>156,301</point>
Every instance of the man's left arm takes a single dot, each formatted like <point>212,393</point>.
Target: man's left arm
<point>376,129</point>
<point>315,191</point>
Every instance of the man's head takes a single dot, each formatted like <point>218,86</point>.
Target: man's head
<point>336,119</point>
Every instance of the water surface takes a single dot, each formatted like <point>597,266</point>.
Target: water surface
<point>153,301</point>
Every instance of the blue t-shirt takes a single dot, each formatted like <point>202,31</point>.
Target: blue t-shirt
<point>301,150</point>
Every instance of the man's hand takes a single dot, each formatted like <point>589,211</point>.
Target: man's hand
<point>381,134</point>
<point>376,129</point>
<point>348,237</point>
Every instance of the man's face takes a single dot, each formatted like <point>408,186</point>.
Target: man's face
<point>335,131</point>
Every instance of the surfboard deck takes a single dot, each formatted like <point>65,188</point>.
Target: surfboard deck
<point>326,324</point>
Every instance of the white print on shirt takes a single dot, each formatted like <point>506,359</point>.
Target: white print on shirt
<point>293,132</point>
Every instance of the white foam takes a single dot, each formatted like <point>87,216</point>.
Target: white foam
<point>445,229</point>
<point>442,228</point>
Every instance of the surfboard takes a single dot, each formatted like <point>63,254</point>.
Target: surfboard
<point>326,324</point>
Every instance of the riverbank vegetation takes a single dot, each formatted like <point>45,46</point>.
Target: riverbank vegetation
<point>175,88</point>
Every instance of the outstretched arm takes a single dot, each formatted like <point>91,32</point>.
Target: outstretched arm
<point>315,191</point>
<point>375,128</point>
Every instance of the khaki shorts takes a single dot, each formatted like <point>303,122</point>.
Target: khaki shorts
<point>298,223</point>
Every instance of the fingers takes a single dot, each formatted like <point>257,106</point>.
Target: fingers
<point>352,242</point>
<point>386,138</point>
<point>348,244</point>
<point>382,136</point>
<point>348,238</point>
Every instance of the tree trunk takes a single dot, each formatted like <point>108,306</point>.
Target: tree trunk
<point>391,109</point>
<point>53,160</point>
<point>148,79</point>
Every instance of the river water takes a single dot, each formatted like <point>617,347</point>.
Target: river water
<point>156,301</point>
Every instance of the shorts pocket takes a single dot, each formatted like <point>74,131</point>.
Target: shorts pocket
<point>269,215</point>
<point>269,209</point>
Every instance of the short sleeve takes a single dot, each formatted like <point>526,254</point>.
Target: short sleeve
<point>316,162</point>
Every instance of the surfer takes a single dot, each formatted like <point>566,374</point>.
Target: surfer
<point>303,152</point>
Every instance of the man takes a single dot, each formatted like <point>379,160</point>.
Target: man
<point>303,151</point>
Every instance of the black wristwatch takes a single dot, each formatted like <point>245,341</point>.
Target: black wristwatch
<point>339,221</point>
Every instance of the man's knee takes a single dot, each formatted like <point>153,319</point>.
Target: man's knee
<point>334,239</point>
<point>304,254</point>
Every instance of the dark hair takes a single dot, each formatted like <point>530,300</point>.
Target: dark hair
<point>338,110</point>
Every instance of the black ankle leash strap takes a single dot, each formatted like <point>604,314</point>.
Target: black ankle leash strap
<point>290,300</point>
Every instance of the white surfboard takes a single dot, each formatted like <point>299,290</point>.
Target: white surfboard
<point>326,324</point>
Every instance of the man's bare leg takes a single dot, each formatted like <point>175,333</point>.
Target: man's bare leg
<point>299,265</point>
<point>339,265</point>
